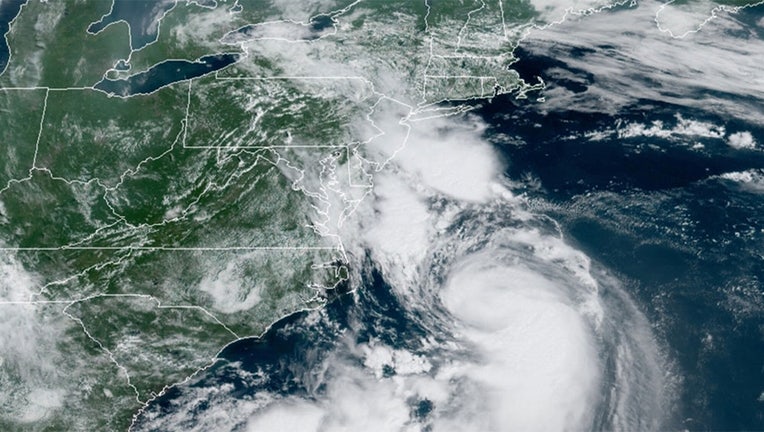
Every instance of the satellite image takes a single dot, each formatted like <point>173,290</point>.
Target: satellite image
<point>381,215</point>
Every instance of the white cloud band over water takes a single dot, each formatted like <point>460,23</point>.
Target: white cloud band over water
<point>631,59</point>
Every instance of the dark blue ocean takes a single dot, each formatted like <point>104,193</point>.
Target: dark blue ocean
<point>686,243</point>
<point>653,212</point>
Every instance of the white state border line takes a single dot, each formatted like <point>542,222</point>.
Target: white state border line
<point>7,41</point>
<point>167,248</point>
<point>130,29</point>
<point>713,14</point>
<point>47,90</point>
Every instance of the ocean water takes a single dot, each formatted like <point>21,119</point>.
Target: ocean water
<point>687,241</point>
<point>9,9</point>
<point>667,214</point>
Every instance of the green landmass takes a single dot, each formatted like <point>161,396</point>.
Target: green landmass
<point>158,228</point>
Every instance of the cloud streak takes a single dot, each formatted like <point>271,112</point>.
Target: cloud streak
<point>715,69</point>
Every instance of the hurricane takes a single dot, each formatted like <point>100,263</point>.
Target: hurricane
<point>383,216</point>
<point>470,306</point>
<point>472,313</point>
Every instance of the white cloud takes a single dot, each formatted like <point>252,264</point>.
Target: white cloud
<point>633,60</point>
<point>525,320</point>
<point>447,155</point>
<point>302,10</point>
<point>290,416</point>
<point>30,372</point>
<point>42,402</point>
<point>452,158</point>
<point>681,19</point>
<point>230,287</point>
<point>741,140</point>
<point>399,230</point>
<point>555,10</point>
<point>751,179</point>
<point>684,128</point>
<point>279,30</point>
<point>16,284</point>
<point>358,402</point>
<point>378,356</point>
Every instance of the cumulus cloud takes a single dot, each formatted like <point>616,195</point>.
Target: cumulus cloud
<point>752,179</point>
<point>632,60</point>
<point>230,289</point>
<point>28,354</point>
<point>741,140</point>
<point>683,128</point>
